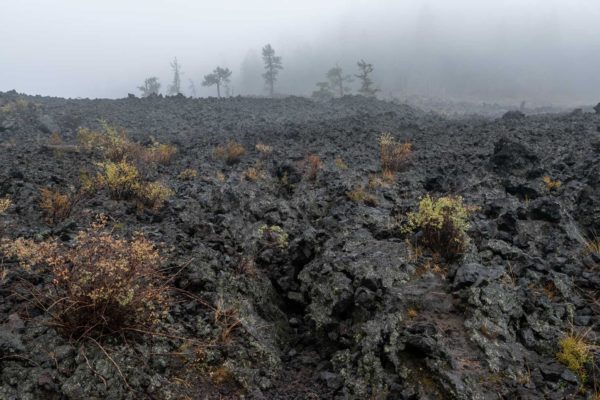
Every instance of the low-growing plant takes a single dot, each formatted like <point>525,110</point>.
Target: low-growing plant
<point>231,152</point>
<point>394,155</point>
<point>57,206</point>
<point>443,223</point>
<point>5,204</point>
<point>359,195</point>
<point>274,235</point>
<point>254,173</point>
<point>264,149</point>
<point>340,164</point>
<point>550,183</point>
<point>575,353</point>
<point>313,165</point>
<point>188,174</point>
<point>100,285</point>
<point>592,245</point>
<point>161,153</point>
<point>122,179</point>
<point>152,195</point>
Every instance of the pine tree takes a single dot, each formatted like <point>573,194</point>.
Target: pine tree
<point>272,67</point>
<point>218,77</point>
<point>151,86</point>
<point>337,79</point>
<point>175,87</point>
<point>366,83</point>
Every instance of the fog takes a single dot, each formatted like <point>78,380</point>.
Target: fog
<point>540,51</point>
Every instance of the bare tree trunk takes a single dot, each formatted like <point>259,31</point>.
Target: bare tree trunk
<point>218,90</point>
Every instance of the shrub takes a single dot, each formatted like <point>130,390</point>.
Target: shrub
<point>101,285</point>
<point>57,206</point>
<point>340,164</point>
<point>153,195</point>
<point>274,235</point>
<point>254,173</point>
<point>394,156</point>
<point>121,179</point>
<point>313,165</point>
<point>188,174</point>
<point>112,143</point>
<point>231,153</point>
<point>574,352</point>
<point>161,153</point>
<point>550,183</point>
<point>359,195</point>
<point>443,223</point>
<point>264,149</point>
<point>5,204</point>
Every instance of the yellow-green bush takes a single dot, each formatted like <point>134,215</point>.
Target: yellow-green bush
<point>274,235</point>
<point>5,204</point>
<point>153,195</point>
<point>121,179</point>
<point>443,222</point>
<point>575,354</point>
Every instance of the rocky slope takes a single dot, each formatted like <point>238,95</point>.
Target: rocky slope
<point>346,309</point>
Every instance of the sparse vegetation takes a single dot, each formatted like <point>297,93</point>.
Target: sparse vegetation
<point>359,195</point>
<point>254,173</point>
<point>264,149</point>
<point>394,156</point>
<point>101,285</point>
<point>575,353</point>
<point>57,206</point>
<point>121,179</point>
<point>443,223</point>
<point>188,174</point>
<point>152,195</point>
<point>161,153</point>
<point>313,165</point>
<point>231,153</point>
<point>274,235</point>
<point>340,164</point>
<point>5,204</point>
<point>550,183</point>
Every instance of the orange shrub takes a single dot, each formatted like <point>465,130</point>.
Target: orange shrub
<point>101,285</point>
<point>232,152</point>
<point>57,206</point>
<point>394,156</point>
<point>313,165</point>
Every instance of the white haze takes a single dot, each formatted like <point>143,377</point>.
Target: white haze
<point>541,51</point>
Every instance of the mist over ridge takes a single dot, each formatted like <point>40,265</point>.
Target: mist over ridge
<point>542,52</point>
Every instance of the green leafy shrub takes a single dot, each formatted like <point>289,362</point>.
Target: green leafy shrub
<point>443,223</point>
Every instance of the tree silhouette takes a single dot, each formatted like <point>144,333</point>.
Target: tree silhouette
<point>151,86</point>
<point>337,79</point>
<point>175,87</point>
<point>366,83</point>
<point>272,67</point>
<point>218,77</point>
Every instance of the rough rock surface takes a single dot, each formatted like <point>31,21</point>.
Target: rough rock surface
<point>346,310</point>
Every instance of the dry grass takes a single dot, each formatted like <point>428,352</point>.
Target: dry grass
<point>313,165</point>
<point>575,352</point>
<point>5,204</point>
<point>160,153</point>
<point>359,195</point>
<point>592,245</point>
<point>550,183</point>
<point>253,174</point>
<point>101,285</point>
<point>340,164</point>
<point>231,152</point>
<point>264,149</point>
<point>394,156</point>
<point>188,174</point>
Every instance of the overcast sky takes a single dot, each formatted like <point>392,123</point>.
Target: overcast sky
<point>542,51</point>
